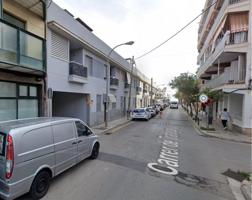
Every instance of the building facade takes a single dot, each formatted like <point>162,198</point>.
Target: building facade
<point>22,59</point>
<point>79,68</point>
<point>225,54</point>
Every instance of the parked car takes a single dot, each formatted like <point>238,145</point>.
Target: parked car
<point>152,111</point>
<point>32,151</point>
<point>174,104</point>
<point>141,113</point>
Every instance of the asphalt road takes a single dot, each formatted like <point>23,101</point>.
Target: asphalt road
<point>121,172</point>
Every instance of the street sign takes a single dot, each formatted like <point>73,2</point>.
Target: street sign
<point>203,98</point>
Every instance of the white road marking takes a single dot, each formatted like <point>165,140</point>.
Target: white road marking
<point>167,162</point>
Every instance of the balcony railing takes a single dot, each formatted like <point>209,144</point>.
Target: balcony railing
<point>126,85</point>
<point>77,69</point>
<point>228,77</point>
<point>77,72</point>
<point>219,45</point>
<point>138,89</point>
<point>114,81</point>
<point>19,47</point>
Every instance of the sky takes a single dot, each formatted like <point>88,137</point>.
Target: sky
<point>148,23</point>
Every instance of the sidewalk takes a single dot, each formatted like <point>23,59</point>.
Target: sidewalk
<point>100,129</point>
<point>230,134</point>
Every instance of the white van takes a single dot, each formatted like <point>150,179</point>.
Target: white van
<point>173,104</point>
<point>32,151</point>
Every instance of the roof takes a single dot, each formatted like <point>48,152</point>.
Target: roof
<point>6,126</point>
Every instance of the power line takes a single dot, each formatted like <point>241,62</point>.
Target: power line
<point>184,27</point>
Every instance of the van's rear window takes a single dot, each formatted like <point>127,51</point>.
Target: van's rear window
<point>2,144</point>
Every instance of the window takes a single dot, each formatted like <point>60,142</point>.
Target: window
<point>98,103</point>
<point>59,47</point>
<point>13,20</point>
<point>82,130</point>
<point>114,104</point>
<point>122,103</point>
<point>23,90</point>
<point>18,101</point>
<point>112,72</point>
<point>89,64</point>
<point>2,144</point>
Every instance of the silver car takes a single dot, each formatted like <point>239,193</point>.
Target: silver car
<point>32,151</point>
<point>141,113</point>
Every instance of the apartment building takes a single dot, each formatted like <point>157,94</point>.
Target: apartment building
<point>22,59</point>
<point>225,54</point>
<point>78,69</point>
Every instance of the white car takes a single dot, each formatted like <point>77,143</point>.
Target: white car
<point>173,105</point>
<point>141,113</point>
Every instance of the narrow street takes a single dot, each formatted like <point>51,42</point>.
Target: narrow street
<point>121,171</point>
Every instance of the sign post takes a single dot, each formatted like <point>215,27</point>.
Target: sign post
<point>204,99</point>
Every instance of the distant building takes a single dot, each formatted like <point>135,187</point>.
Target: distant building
<point>224,46</point>
<point>77,64</point>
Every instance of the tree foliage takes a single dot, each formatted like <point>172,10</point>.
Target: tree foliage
<point>187,86</point>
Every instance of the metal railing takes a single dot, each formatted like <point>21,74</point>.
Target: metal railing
<point>126,85</point>
<point>225,78</point>
<point>114,81</point>
<point>77,69</point>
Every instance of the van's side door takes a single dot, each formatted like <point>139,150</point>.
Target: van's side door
<point>65,142</point>
<point>84,140</point>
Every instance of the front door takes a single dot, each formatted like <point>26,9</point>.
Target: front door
<point>84,141</point>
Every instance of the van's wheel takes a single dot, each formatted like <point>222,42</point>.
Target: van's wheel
<point>40,185</point>
<point>95,151</point>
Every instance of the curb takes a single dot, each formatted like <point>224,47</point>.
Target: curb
<point>116,127</point>
<point>246,189</point>
<point>235,187</point>
<point>202,133</point>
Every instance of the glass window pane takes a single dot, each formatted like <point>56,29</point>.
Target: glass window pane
<point>23,90</point>
<point>27,108</point>
<point>8,43</point>
<point>7,89</point>
<point>7,109</point>
<point>31,50</point>
<point>33,91</point>
<point>13,20</point>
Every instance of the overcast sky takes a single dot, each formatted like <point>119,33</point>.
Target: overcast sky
<point>148,23</point>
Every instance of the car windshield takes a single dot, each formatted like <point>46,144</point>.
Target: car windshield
<point>139,111</point>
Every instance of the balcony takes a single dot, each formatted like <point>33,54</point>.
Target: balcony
<point>126,87</point>
<point>114,83</point>
<point>77,73</point>
<point>20,50</point>
<point>228,43</point>
<point>228,79</point>
<point>138,89</point>
<point>228,6</point>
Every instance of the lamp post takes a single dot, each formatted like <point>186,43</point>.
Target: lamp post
<point>107,81</point>
<point>132,62</point>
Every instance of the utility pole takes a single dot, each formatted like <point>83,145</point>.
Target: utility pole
<point>151,100</point>
<point>132,62</point>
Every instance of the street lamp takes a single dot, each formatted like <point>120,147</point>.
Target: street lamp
<point>107,81</point>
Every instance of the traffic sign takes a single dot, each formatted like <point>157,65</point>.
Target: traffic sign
<point>203,98</point>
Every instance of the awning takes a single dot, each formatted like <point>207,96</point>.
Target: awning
<point>128,77</point>
<point>111,98</point>
<point>239,22</point>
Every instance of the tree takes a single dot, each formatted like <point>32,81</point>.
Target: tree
<point>187,86</point>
